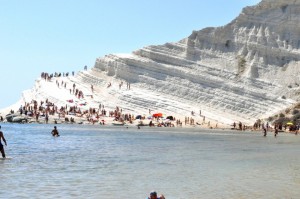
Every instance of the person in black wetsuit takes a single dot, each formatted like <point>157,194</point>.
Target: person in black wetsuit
<point>1,146</point>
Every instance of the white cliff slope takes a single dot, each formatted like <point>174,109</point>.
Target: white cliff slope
<point>243,71</point>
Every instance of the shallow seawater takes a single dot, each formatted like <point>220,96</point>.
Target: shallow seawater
<point>101,162</point>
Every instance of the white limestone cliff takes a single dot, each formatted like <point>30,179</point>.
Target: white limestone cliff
<point>243,71</point>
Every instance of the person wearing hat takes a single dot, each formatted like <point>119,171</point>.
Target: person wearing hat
<point>1,146</point>
<point>153,195</point>
<point>55,132</point>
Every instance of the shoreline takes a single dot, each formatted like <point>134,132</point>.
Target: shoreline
<point>161,123</point>
<point>110,121</point>
<point>189,129</point>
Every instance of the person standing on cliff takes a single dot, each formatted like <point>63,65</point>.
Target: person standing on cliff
<point>1,146</point>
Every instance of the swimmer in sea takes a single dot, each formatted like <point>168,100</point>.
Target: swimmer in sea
<point>153,195</point>
<point>55,132</point>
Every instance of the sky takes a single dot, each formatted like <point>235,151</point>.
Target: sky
<point>65,35</point>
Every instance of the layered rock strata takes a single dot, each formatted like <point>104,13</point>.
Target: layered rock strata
<point>243,71</point>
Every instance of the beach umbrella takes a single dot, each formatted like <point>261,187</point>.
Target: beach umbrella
<point>157,115</point>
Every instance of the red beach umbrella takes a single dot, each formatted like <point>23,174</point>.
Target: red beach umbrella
<point>157,115</point>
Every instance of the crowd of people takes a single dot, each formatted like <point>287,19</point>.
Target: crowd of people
<point>45,109</point>
<point>74,110</point>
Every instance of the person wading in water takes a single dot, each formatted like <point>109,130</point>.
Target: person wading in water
<point>1,146</point>
<point>55,132</point>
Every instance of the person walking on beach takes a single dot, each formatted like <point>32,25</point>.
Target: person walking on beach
<point>1,146</point>
<point>153,195</point>
<point>55,132</point>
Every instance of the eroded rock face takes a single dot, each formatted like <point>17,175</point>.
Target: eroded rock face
<point>243,71</point>
<point>244,68</point>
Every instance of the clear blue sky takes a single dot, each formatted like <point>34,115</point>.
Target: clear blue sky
<point>65,35</point>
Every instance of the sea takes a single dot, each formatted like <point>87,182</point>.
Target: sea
<point>104,162</point>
